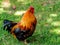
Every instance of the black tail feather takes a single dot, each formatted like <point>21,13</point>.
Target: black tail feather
<point>8,25</point>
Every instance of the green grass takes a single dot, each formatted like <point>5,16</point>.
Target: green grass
<point>47,13</point>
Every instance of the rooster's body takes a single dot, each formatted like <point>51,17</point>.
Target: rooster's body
<point>24,28</point>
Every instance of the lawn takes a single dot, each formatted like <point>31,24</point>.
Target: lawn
<point>47,13</point>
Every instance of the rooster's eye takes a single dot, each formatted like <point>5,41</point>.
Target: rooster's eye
<point>31,11</point>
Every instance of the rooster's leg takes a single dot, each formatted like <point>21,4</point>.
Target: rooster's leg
<point>25,42</point>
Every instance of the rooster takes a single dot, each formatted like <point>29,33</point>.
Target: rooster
<point>23,29</point>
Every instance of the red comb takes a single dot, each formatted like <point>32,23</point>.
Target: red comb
<point>31,7</point>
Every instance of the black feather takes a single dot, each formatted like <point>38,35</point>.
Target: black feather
<point>8,25</point>
<point>20,34</point>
